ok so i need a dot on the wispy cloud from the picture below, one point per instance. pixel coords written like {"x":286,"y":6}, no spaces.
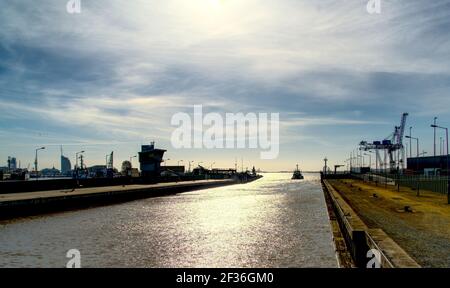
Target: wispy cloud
{"x":120,"y":70}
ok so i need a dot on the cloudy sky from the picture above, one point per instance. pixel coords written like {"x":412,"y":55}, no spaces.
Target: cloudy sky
{"x":111,"y":77}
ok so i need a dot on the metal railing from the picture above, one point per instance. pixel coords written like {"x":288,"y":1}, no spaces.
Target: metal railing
{"x":431,"y":183}
{"x":436,"y":184}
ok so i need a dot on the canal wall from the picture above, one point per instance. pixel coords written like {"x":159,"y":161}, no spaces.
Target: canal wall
{"x":33,"y":203}
{"x":360,"y":239}
{"x":33,"y":185}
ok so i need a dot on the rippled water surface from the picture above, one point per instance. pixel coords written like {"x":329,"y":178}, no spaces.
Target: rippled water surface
{"x":273,"y":222}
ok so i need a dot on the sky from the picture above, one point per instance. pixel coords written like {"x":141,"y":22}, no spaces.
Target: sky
{"x":111,"y":77}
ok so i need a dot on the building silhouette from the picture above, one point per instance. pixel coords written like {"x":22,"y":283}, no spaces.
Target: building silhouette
{"x":150,"y":160}
{"x":66,"y":166}
{"x":12,"y":163}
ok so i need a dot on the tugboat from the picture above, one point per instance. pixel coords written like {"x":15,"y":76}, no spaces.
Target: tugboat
{"x":297,"y":175}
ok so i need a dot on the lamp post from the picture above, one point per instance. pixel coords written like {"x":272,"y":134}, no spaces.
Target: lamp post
{"x":448,"y":184}
{"x":131,"y":159}
{"x":76,"y":158}
{"x":166,"y":161}
{"x":407,"y":149}
{"x":417,"y":159}
{"x":410,"y":142}
{"x":36,"y":162}
{"x":190,"y":162}
{"x":212,"y":165}
{"x":355,"y":159}
{"x":434,"y":128}
{"x":350,"y":160}
{"x":76,"y":164}
{"x":178,"y":163}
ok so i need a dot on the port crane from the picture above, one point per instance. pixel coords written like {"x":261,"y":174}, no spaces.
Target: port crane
{"x":393,"y":144}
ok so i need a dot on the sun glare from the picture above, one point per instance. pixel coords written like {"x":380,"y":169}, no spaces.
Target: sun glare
{"x":215,"y":4}
{"x":212,"y":17}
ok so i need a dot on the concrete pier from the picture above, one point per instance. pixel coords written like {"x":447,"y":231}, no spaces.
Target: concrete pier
{"x":32,"y":203}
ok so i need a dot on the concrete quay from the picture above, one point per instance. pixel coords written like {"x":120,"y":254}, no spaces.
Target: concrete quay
{"x":33,"y":203}
{"x":359,"y":238}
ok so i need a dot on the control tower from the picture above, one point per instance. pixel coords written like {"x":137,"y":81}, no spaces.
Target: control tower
{"x":150,"y":160}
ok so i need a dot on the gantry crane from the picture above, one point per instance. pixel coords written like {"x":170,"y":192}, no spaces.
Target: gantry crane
{"x":391,"y":144}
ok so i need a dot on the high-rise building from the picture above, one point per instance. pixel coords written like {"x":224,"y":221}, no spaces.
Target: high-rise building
{"x":12,"y":163}
{"x":66,"y":167}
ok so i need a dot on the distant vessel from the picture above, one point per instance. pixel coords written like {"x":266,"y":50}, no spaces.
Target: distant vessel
{"x":297,"y":174}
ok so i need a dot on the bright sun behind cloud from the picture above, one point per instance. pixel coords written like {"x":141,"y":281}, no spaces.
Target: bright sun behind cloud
{"x":216,"y":4}
{"x":214,"y":17}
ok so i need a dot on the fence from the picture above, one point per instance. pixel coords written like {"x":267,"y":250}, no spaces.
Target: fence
{"x":436,"y":184}
{"x":431,"y":183}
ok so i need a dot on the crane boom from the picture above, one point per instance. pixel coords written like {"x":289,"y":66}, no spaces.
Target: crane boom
{"x":401,"y":130}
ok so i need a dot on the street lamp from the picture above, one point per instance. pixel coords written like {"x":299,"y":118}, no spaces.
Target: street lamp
{"x":417,"y":141}
{"x":131,"y":159}
{"x":446,"y":133}
{"x":212,"y":165}
{"x":417,"y":158}
{"x":190,"y":162}
{"x":434,"y":127}
{"x":165,"y":162}
{"x":36,"y":162}
{"x":178,"y":164}
{"x":448,"y":184}
{"x":410,"y":142}
{"x":76,"y":164}
{"x":355,"y":163}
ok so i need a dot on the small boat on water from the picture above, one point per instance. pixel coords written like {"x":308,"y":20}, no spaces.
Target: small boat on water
{"x":297,"y":175}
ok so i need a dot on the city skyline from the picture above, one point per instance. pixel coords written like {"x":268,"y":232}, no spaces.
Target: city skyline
{"x":110,"y":78}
